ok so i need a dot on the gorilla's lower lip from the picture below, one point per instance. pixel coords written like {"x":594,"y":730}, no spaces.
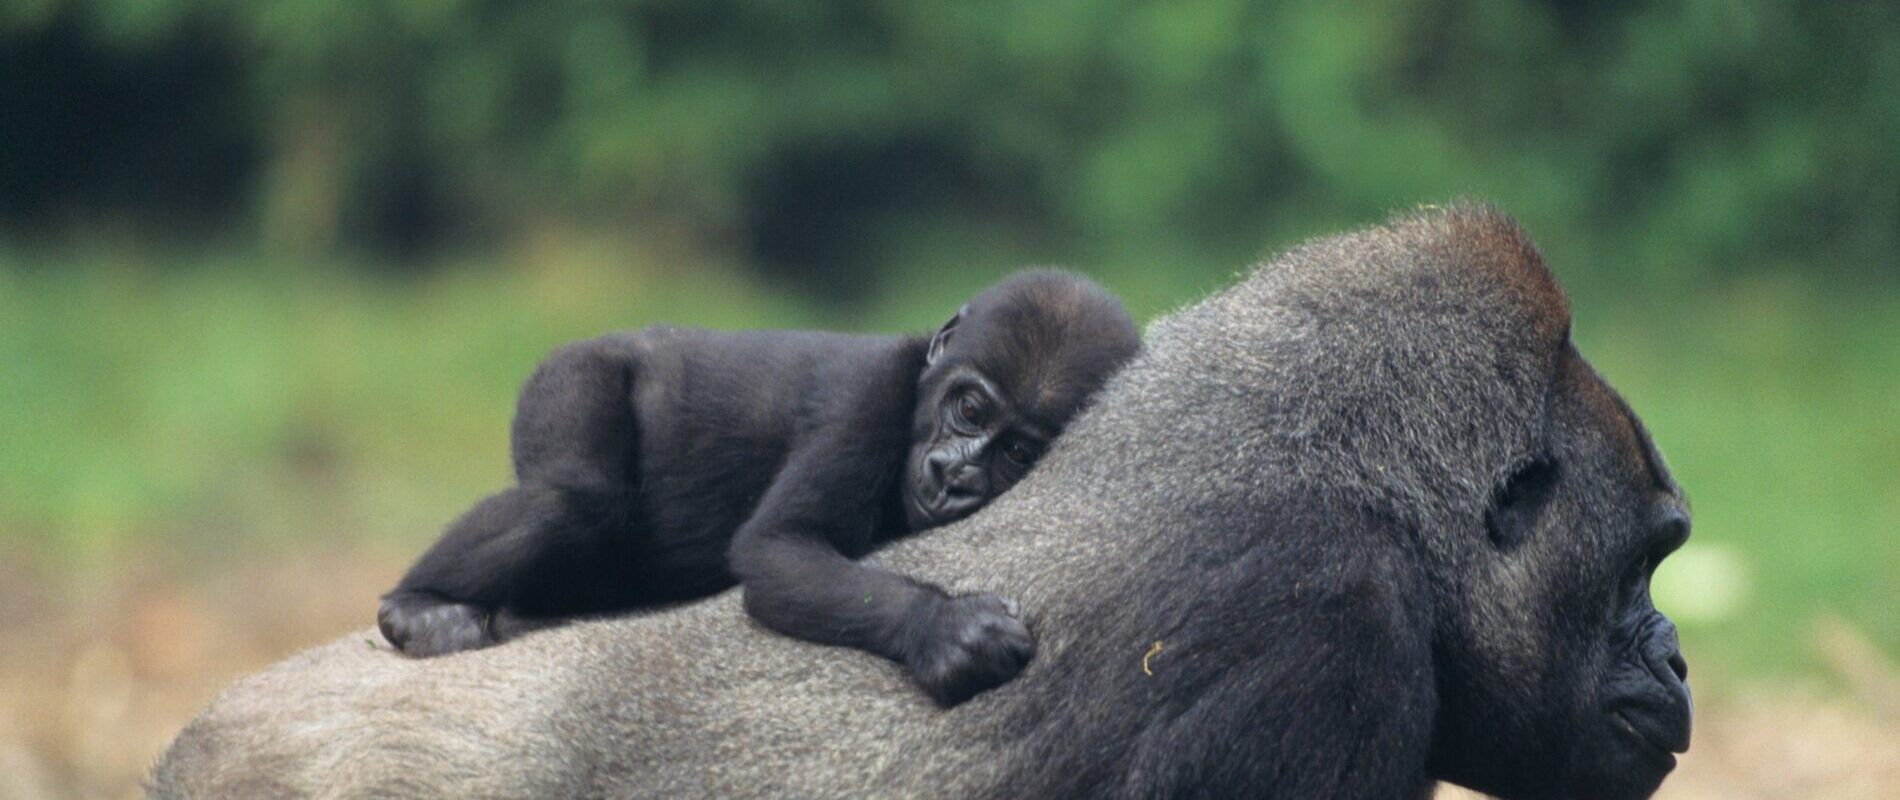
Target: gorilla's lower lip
{"x":939,"y":506}
{"x":1648,"y":740}
{"x":931,"y":509}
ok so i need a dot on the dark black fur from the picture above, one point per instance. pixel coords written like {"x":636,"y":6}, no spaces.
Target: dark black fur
{"x":664,"y":464}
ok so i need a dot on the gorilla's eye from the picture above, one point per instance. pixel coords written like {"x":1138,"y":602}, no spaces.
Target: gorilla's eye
{"x":1515,"y":505}
{"x":1019,"y":453}
{"x":970,"y":409}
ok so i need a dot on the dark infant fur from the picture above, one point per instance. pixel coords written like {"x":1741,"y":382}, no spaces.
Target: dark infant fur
{"x":663,"y":464}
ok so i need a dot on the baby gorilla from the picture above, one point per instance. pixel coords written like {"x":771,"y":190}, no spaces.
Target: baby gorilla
{"x":667,"y":463}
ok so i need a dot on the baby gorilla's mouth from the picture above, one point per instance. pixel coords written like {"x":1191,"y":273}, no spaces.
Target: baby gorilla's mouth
{"x":925,"y":500}
{"x":936,"y":503}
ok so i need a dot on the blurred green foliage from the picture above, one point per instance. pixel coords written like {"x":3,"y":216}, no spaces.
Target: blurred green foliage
{"x":837,"y":139}
{"x":271,"y":272}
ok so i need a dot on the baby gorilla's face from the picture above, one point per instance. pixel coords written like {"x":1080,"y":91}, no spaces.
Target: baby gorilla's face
{"x":1000,"y":381}
{"x":974,"y":442}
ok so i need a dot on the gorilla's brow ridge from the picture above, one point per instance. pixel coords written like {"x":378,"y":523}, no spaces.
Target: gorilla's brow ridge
{"x":1652,"y":460}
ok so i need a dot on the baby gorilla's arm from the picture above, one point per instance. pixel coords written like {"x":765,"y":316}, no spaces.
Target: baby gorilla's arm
{"x":797,"y":582}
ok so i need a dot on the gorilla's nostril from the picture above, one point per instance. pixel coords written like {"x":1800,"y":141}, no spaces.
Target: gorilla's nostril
{"x":1679,"y":665}
{"x":1675,"y":524}
{"x":965,"y":478}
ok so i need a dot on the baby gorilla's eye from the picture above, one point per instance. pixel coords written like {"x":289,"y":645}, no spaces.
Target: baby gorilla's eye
{"x":970,"y":409}
{"x":1020,"y":453}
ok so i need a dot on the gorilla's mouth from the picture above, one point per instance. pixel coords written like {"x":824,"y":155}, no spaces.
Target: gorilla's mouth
{"x":932,"y":503}
{"x":1646,"y":736}
{"x":923,"y":501}
{"x":924,"y":496}
{"x":935,"y":503}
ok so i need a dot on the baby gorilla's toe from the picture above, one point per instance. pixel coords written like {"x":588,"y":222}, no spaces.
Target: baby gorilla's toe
{"x":423,"y":626}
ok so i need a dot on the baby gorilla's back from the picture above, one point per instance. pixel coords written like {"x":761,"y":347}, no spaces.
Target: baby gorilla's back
{"x":638,"y":455}
{"x":719,"y":414}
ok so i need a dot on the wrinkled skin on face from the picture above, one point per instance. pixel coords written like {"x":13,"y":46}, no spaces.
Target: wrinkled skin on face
{"x":980,"y":444}
{"x":1003,"y":377}
{"x":1594,"y":700}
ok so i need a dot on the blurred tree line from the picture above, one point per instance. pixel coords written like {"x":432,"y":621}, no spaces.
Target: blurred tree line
{"x":826,"y":140}
{"x":202,"y":202}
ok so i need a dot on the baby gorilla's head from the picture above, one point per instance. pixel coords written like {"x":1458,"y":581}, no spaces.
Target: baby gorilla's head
{"x":1002,"y":378}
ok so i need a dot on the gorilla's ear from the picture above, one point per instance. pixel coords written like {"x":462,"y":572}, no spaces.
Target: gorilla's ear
{"x":1516,"y":506}
{"x":939,"y":341}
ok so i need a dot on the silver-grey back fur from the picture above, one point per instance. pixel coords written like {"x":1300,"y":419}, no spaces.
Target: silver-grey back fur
{"x":1395,"y":368}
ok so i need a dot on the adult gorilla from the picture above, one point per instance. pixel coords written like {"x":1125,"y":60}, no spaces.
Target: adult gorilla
{"x":1363,"y":521}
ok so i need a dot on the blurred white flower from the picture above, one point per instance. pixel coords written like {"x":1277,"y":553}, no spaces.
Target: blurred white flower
{"x":1702,"y":583}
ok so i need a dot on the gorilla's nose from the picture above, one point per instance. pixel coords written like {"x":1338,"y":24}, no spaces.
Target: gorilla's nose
{"x":953,"y":474}
{"x":938,"y":464}
{"x":944,"y":467}
{"x":962,"y":484}
{"x":967,"y":479}
{"x":1679,"y":665}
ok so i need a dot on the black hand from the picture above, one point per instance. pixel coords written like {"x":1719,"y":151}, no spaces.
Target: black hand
{"x":964,"y":645}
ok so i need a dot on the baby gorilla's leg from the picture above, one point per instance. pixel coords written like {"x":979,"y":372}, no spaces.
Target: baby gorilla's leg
{"x":422,"y":625}
{"x":554,"y":546}
{"x":534,"y":551}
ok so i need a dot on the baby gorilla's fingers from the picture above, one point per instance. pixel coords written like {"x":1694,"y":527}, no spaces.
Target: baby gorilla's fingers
{"x":424,"y":625}
{"x":972,"y":643}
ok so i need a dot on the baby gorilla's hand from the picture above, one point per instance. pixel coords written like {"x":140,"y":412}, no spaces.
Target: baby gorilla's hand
{"x":422,"y":625}
{"x":967,"y":645}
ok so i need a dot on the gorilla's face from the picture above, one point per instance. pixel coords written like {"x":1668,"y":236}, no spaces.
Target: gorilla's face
{"x":978,"y":426}
{"x":974,"y":442}
{"x":1558,"y":676}
{"x":1001,"y":380}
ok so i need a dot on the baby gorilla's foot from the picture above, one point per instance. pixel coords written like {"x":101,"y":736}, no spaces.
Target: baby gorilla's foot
{"x":967,"y":645}
{"x":423,"y":625}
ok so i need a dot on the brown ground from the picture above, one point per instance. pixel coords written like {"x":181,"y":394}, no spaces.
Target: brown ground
{"x":101,"y":671}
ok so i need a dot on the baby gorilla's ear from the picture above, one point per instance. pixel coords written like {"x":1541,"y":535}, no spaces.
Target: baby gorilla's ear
{"x":939,"y":341}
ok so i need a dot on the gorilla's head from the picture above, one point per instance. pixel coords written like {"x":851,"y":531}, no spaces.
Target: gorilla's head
{"x":1003,"y":378}
{"x":1434,"y":380}
{"x":1593,"y":697}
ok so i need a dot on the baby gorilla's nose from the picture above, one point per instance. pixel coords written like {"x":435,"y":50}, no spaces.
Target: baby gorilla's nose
{"x":955,"y":475}
{"x":966,"y":478}
{"x":963,"y":485}
{"x":937,"y":464}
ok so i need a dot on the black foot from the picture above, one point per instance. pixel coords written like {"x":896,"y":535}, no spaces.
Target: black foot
{"x":967,"y":645}
{"x":424,"y":625}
